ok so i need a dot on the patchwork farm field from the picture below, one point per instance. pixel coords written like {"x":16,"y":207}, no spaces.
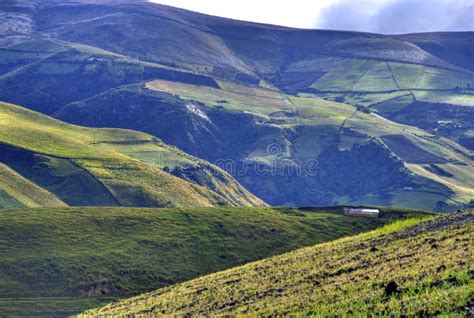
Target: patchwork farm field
{"x":409,"y":152}
{"x":320,"y":123}
{"x":375,"y":76}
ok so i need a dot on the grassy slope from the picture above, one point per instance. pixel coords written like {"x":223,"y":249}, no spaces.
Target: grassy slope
{"x":27,"y":70}
{"x":365,"y":75}
{"x":78,"y":256}
{"x":374,"y":84}
{"x":378,"y":87}
{"x":110,"y":155}
{"x":308,"y":111}
{"x":27,"y":193}
{"x":430,"y":261}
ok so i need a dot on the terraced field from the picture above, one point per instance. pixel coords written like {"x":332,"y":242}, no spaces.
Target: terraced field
{"x":413,"y":267}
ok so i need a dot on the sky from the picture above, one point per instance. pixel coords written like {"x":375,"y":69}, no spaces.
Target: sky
{"x":379,"y":16}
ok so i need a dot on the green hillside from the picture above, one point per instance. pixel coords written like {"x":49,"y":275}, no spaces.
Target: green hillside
{"x":194,"y":112}
{"x":398,"y":122}
{"x":436,"y":100}
{"x":84,"y":166}
{"x":63,"y":261}
{"x":17,"y":191}
{"x":160,"y":149}
{"x":415,"y":267}
{"x":352,"y":75}
{"x":313,"y":128}
{"x":45,"y":75}
{"x":299,"y":143}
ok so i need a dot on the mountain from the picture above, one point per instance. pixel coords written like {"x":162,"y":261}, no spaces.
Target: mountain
{"x":298,"y":117}
{"x":417,"y":267}
{"x":61,"y":261}
{"x":150,"y":141}
{"x":48,"y":163}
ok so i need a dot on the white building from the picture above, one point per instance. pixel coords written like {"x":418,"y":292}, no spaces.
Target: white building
{"x":367,"y":212}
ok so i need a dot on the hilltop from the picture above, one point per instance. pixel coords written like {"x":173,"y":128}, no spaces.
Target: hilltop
{"x":45,"y":162}
{"x":415,"y":267}
{"x":61,"y":261}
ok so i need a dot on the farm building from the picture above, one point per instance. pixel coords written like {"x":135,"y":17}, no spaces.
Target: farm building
{"x":374,"y":213}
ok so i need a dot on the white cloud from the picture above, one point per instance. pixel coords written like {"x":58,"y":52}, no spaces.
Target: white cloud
{"x":293,"y":13}
{"x":398,"y":16}
{"x":382,"y":16}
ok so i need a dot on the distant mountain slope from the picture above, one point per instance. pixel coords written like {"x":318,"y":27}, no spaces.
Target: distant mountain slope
{"x":291,"y":150}
{"x":58,"y":262}
{"x":163,"y":34}
{"x":84,"y":166}
{"x":454,"y":47}
{"x":229,"y":91}
{"x":410,"y":268}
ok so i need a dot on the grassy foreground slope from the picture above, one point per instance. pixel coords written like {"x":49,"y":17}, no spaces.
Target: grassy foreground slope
{"x":413,"y":267}
{"x":121,"y":167}
{"x":64,"y":261}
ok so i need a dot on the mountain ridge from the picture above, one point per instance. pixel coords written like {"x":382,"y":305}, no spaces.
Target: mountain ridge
{"x":338,"y":95}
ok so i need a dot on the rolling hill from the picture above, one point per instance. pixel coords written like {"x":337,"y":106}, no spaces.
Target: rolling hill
{"x":65,"y":164}
{"x":61,"y":261}
{"x":150,"y":141}
{"x":298,"y":144}
{"x":414,"y":267}
{"x":279,"y":109}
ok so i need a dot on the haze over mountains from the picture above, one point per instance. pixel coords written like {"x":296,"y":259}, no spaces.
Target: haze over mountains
{"x":297,"y":117}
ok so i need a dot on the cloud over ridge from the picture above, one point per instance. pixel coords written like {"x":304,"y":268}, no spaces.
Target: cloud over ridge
{"x":398,"y":16}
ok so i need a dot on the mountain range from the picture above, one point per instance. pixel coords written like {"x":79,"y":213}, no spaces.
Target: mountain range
{"x":205,"y":166}
{"x":297,"y":117}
